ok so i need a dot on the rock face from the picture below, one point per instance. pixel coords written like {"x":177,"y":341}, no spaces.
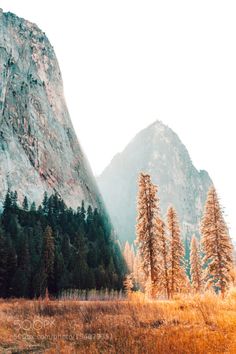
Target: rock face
{"x":156,"y":150}
{"x":39,"y":150}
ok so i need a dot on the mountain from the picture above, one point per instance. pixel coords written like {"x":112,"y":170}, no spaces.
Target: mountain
{"x":156,"y":150}
{"x":39,"y":150}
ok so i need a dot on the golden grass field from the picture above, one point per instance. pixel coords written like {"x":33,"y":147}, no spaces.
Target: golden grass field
{"x":194,"y":324}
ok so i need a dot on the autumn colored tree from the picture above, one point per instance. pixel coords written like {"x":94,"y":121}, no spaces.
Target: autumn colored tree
{"x":178,"y":279}
{"x":216,"y":245}
{"x":138,"y":274}
{"x":195,"y":266}
{"x":147,"y":242}
{"x":128,"y":284}
{"x":164,"y":257}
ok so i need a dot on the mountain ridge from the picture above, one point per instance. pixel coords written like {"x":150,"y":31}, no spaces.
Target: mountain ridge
{"x":157,"y":150}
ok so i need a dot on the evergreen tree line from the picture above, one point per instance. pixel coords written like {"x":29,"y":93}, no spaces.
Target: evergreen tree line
{"x":53,"y":248}
{"x":160,"y":268}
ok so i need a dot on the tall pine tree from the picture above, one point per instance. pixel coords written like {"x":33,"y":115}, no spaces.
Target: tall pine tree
{"x":195,"y":266}
{"x":164,"y":258}
{"x":178,"y":279}
{"x":216,"y":245}
{"x":147,"y":241}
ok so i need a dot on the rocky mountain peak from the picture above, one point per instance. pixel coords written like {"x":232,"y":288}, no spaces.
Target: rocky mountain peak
{"x":156,"y":150}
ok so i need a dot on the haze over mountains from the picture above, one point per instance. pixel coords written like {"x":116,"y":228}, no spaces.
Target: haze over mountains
{"x":156,"y":150}
{"x":39,"y":150}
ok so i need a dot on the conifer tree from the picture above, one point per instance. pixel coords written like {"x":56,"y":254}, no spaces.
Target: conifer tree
{"x":148,"y":209}
{"x":164,"y":258}
{"x":21,"y":280}
{"x":82,"y":254}
{"x":216,"y":245}
{"x":195,"y":266}
{"x":128,"y":284}
{"x":48,"y":258}
{"x":33,"y":207}
{"x":7,"y":208}
{"x":82,"y":212}
{"x":89,"y":215}
{"x":138,"y":274}
{"x":45,"y":203}
{"x":80,"y":266}
{"x":178,"y":278}
{"x":25,"y":204}
{"x":8,"y":201}
{"x":14,"y":200}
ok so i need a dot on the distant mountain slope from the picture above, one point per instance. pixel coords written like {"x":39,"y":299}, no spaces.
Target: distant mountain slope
{"x":39,"y":150}
{"x":156,"y":150}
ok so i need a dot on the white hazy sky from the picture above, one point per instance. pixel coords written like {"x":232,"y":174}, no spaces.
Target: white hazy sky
{"x":127,"y":63}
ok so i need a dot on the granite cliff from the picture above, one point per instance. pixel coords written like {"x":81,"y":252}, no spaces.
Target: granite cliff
{"x":39,"y":150}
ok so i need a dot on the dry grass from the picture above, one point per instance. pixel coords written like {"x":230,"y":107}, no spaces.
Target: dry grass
{"x":199,"y":324}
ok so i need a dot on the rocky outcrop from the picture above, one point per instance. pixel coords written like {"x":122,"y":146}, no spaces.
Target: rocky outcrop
{"x":39,"y":150}
{"x":158,"y":151}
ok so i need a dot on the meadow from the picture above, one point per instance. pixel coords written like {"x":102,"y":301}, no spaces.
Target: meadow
{"x":191,"y":324}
